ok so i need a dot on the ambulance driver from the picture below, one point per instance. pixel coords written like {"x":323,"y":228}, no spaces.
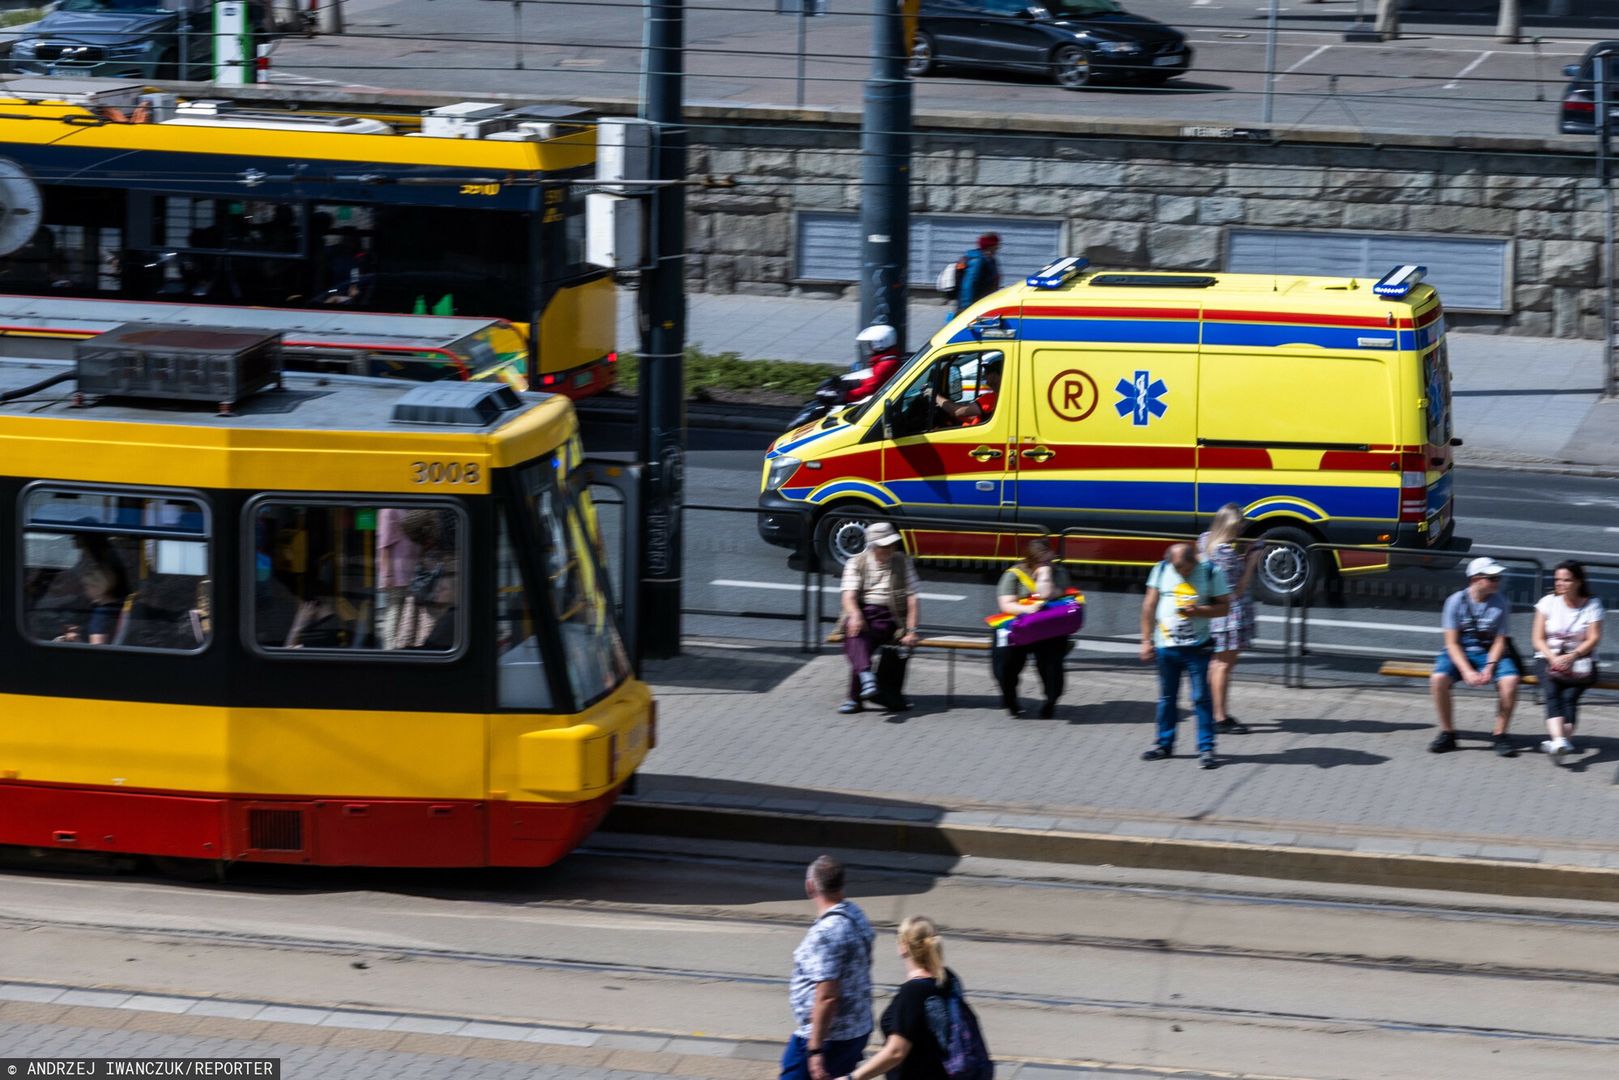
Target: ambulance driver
{"x":982,"y":406}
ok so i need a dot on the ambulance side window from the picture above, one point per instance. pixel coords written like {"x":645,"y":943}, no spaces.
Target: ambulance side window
{"x":957,"y":390}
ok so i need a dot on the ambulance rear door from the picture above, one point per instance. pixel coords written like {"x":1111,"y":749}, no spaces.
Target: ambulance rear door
{"x":1107,"y":430}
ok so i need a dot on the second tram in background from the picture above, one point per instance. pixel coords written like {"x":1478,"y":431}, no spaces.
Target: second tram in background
{"x":119,"y":193}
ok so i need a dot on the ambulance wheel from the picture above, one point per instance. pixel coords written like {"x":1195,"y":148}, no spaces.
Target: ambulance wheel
{"x":840,"y":535}
{"x":1071,"y":67}
{"x":1287,"y":568}
{"x":920,"y":62}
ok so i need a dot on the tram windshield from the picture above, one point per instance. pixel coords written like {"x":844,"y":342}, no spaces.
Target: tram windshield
{"x":573,"y":579}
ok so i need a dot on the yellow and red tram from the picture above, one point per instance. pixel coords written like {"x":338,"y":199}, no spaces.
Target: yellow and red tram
{"x":346,"y":622}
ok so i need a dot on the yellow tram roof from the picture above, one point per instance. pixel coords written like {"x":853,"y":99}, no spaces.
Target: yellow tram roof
{"x":319,"y":433}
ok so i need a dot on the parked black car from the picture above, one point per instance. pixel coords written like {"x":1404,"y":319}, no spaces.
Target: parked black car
{"x":1579,"y":109}
{"x":1076,"y":42}
{"x":139,"y":39}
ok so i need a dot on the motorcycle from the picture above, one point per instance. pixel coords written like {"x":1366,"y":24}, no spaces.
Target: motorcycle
{"x":836,"y":392}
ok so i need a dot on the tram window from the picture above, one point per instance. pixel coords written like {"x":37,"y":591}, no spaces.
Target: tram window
{"x":357,"y":578}
{"x":114,"y":568}
{"x":579,"y":599}
{"x":520,"y":669}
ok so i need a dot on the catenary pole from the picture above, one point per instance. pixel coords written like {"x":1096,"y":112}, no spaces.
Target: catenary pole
{"x":885,"y":154}
{"x":661,"y":433}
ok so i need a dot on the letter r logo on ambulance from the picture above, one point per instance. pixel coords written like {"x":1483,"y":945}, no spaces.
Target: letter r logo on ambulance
{"x":1072,"y":395}
{"x":1141,"y":399}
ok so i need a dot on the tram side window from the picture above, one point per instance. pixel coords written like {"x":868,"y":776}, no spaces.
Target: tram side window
{"x":116,"y":569}
{"x":357,"y":578}
{"x":579,"y":597}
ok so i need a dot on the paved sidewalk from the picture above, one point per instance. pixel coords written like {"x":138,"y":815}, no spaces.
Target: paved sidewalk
{"x":1335,"y":772}
{"x":1533,"y":401}
{"x":38,"y":1020}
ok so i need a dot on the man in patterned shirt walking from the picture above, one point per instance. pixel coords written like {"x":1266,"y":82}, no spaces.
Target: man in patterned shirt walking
{"x":831,"y":985}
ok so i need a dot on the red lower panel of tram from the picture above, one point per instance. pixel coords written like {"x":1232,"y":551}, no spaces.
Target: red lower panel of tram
{"x":310,"y":831}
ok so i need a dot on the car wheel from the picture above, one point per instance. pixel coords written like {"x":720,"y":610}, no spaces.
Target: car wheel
{"x":1071,"y":67}
{"x":921,"y":61}
{"x":1287,"y":568}
{"x":840,"y":535}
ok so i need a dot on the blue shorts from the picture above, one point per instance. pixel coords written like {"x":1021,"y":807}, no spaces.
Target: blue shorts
{"x":1504,"y":667}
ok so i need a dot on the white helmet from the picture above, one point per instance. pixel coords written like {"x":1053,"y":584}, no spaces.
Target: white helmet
{"x":876,"y":339}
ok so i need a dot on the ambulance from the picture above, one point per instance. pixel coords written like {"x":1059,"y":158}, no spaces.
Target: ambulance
{"x":1093,"y":405}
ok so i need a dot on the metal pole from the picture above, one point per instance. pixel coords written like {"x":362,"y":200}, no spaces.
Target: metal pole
{"x":662,"y":422}
{"x":1270,"y":62}
{"x":885,"y":150}
{"x":517,"y":32}
{"x":803,"y":44}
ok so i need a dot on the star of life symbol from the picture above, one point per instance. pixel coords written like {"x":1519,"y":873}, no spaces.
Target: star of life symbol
{"x":1141,"y":399}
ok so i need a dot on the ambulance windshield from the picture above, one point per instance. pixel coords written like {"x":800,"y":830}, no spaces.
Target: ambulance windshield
{"x":1436,"y":388}
{"x":898,"y":378}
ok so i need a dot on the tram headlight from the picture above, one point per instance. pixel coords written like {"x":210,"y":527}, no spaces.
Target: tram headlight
{"x":780,"y":469}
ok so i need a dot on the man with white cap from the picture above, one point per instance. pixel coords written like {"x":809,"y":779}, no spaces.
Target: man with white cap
{"x":1475,"y":622}
{"x":879,"y":608}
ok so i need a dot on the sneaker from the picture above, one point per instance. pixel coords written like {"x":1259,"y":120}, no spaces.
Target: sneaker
{"x":1445,"y":740}
{"x":1048,"y":710}
{"x":1502,"y":745}
{"x":868,"y":685}
{"x":1014,"y":711}
{"x":1208,"y":761}
{"x":1157,"y":753}
{"x":1231,"y":726}
{"x":1556,"y":749}
{"x":850,"y":706}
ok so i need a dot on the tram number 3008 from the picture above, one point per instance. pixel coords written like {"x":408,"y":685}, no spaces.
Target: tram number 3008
{"x":446,"y":472}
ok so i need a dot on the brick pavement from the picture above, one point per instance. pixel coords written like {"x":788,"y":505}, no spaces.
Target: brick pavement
{"x":38,"y":1020}
{"x":1341,"y":769}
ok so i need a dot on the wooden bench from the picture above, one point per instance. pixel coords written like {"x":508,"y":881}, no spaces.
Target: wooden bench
{"x":950,"y":643}
{"x":1410,"y":669}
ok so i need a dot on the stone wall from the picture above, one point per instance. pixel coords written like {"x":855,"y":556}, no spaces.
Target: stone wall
{"x":1157,"y":196}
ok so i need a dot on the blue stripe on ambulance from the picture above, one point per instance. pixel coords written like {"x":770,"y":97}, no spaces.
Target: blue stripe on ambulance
{"x":841,"y":487}
{"x":1439,"y":493}
{"x":1151,"y":332}
{"x":1374,"y":503}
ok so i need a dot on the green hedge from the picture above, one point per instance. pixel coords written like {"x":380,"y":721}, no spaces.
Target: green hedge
{"x":720,"y":375}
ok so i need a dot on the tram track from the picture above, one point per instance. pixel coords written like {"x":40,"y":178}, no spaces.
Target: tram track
{"x":687,"y":975}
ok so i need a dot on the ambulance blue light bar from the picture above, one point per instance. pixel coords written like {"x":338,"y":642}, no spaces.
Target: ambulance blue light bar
{"x":1400,"y":281}
{"x":1056,"y":275}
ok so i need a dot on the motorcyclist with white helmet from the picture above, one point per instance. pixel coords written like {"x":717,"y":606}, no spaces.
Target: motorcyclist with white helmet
{"x":878,"y":346}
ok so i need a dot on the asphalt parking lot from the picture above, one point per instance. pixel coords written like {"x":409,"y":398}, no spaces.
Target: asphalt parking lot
{"x":1446,"y":72}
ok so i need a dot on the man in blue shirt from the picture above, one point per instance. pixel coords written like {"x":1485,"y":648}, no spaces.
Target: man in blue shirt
{"x":1475,"y":622}
{"x":831,"y":984}
{"x":1183,"y":594}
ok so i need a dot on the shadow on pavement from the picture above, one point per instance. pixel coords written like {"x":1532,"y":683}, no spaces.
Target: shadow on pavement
{"x":1319,"y":757}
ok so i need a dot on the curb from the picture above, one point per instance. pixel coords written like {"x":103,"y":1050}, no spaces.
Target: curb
{"x":1490,"y":876}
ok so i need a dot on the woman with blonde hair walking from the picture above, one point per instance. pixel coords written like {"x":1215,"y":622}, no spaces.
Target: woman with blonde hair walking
{"x":1234,"y":631}
{"x":929,"y":1019}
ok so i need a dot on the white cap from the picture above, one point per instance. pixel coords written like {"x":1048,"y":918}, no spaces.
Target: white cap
{"x":881,"y":532}
{"x":1484,"y":566}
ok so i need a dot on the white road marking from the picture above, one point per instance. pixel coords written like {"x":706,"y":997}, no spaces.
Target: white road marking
{"x":1462,"y":74}
{"x":1350,"y":624}
{"x":782,"y":587}
{"x":1301,"y":63}
{"x":1611,"y":529}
